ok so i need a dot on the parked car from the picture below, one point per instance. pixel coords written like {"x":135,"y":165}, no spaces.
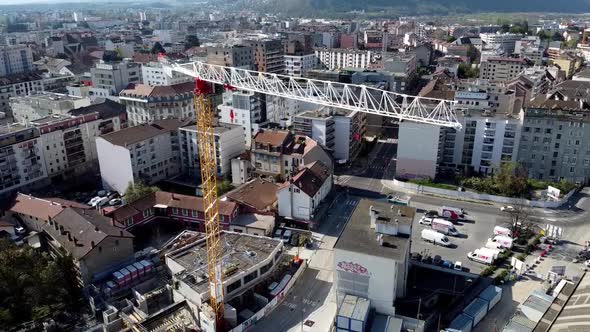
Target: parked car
{"x":115,"y":201}
{"x":113,"y":194}
{"x":416,"y":256}
{"x":447,"y":264}
{"x":94,"y":200}
{"x":295,"y":240}
{"x":431,"y":213}
{"x":20,"y":230}
{"x":437,"y":260}
{"x":458,"y":266}
{"x":102,"y":202}
{"x":278,"y":234}
{"x":507,"y":208}
{"x":425,"y":221}
{"x":286,"y":236}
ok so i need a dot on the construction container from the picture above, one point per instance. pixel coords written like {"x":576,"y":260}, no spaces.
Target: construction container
{"x":477,"y":310}
{"x":140,"y":269}
{"x":147,"y":266}
{"x":492,"y":295}
{"x":352,"y":314}
{"x":133,"y":270}
{"x":119,"y":278}
{"x":126,"y":274}
{"x":461,"y":323}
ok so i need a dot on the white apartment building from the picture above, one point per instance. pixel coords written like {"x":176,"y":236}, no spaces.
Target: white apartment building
{"x":229,"y":143}
{"x":297,"y":65}
{"x":336,"y":58}
{"x":154,"y":73}
{"x":504,"y":41}
{"x":147,"y":153}
{"x":43,"y":104}
{"x":501,"y":68}
{"x":108,"y":79}
{"x":25,"y":84}
{"x":15,"y":59}
{"x":339,"y":131}
{"x":242,"y":108}
{"x":146,"y":103}
{"x":300,"y":196}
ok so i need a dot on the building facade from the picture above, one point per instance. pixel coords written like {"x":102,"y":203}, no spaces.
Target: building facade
{"x":245,"y":109}
{"x":146,"y":103}
{"x":501,"y":69}
{"x":504,"y":41}
{"x":15,"y":59}
{"x":338,"y":58}
{"x":297,"y":65}
{"x":154,"y":73}
{"x":35,"y":106}
{"x":237,"y":56}
{"x":108,"y":79}
{"x":268,"y":55}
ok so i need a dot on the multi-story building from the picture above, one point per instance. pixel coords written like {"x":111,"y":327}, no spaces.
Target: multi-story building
{"x":245,"y":109}
{"x":69,"y":228}
{"x":297,"y":65}
{"x":539,"y":80}
{"x":501,"y":68}
{"x":338,"y":130}
{"x":349,"y":41}
{"x":25,"y":84}
{"x":374,"y":39}
{"x":154,"y":73}
{"x":229,"y":143}
{"x":338,"y":58}
{"x":39,"y":105}
{"x":108,"y":79}
{"x":15,"y":59}
{"x":21,"y":158}
{"x":568,"y":63}
{"x":485,"y":95}
{"x":504,"y":41}
{"x":268,"y":54}
{"x":555,"y":139}
{"x":371,"y":256}
{"x":145,"y":153}
{"x":146,"y":103}
{"x":238,"y":56}
{"x":281,"y":155}
{"x":403,"y":63}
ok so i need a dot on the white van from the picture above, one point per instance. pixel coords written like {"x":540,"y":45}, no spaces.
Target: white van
{"x":435,"y":237}
{"x":286,"y":236}
{"x":444,"y":226}
{"x":499,"y":230}
{"x":503,"y":241}
{"x":482,"y":255}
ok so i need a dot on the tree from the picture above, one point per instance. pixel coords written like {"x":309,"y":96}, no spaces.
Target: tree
{"x":451,"y":39}
{"x":520,"y":214}
{"x":137,"y":191}
{"x":512,"y":180}
{"x":158,"y":48}
{"x":557,"y":36}
{"x":191,"y":41}
{"x":224,"y":186}
{"x":467,"y":71}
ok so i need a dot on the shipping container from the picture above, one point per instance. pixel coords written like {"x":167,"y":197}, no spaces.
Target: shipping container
{"x":119,"y":278}
{"x":353,"y":313}
{"x":133,"y":271}
{"x":147,"y":266}
{"x":477,"y":310}
{"x":126,"y":274}
{"x":140,"y":269}
{"x":492,"y":294}
{"x":462,"y":323}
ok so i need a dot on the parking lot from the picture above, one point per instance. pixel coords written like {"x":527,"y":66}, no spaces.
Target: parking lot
{"x":474,"y":233}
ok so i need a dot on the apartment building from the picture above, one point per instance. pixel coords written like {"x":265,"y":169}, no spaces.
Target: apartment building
{"x":154,"y":73}
{"x":403,"y":63}
{"x":39,"y":105}
{"x":280,"y":154}
{"x":238,"y":56}
{"x":338,"y":58}
{"x":268,"y":54}
{"x":229,"y":143}
{"x":298,"y":65}
{"x":145,"y":153}
{"x":339,"y":131}
{"x":15,"y":59}
{"x":485,"y":95}
{"x":504,"y":41}
{"x":501,"y":68}
{"x":300,"y":196}
{"x":25,"y":84}
{"x":568,"y":63}
{"x":146,"y":103}
{"x":245,"y":109}
{"x":108,"y":79}
{"x":69,"y":228}
{"x":555,"y":137}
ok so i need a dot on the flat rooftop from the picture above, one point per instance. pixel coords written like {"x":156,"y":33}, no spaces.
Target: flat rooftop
{"x":217,"y":129}
{"x":325,"y":112}
{"x":358,"y":236}
{"x":240,"y":253}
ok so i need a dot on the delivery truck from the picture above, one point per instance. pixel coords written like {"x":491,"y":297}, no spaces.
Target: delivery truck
{"x":452,"y":213}
{"x":499,"y":230}
{"x":502,"y":241}
{"x":483,"y":255}
{"x":435,"y":237}
{"x":444,"y":226}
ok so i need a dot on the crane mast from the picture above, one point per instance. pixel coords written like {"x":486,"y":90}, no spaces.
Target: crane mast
{"x":208,"y":165}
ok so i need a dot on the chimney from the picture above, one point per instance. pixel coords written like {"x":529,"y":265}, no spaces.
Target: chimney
{"x":69,"y":236}
{"x":92,"y":244}
{"x":55,"y":225}
{"x":373,"y":214}
{"x":61,"y":230}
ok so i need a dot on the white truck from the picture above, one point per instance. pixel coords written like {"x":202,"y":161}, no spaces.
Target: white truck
{"x":444,"y":226}
{"x":501,"y":241}
{"x":499,"y":230}
{"x":435,"y":237}
{"x":483,"y":255}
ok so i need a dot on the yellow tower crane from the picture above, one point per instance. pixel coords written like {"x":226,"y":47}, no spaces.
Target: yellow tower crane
{"x":208,"y":164}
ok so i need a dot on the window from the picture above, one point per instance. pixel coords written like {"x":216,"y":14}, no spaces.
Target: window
{"x":234,"y":286}
{"x":194,"y":213}
{"x":147,"y":213}
{"x":184,"y":212}
{"x":128,"y":222}
{"x":248,"y":278}
{"x":174,"y":211}
{"x":296,"y":190}
{"x":265,"y":268}
{"x":221,"y":217}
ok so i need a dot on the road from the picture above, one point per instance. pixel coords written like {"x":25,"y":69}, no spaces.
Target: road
{"x":312,"y":300}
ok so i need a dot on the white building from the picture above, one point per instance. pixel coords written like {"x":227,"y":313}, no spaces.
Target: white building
{"x":124,"y":49}
{"x":299,"y":197}
{"x":229,"y":144}
{"x":297,"y":65}
{"x":147,"y":153}
{"x":337,"y":58}
{"x":15,"y":59}
{"x":504,"y":41}
{"x":372,"y":253}
{"x":338,"y":130}
{"x":108,"y":79}
{"x":43,"y":104}
{"x":417,"y":150}
{"x":150,"y":103}
{"x":154,"y":73}
{"x":501,"y":68}
{"x":244,"y":109}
